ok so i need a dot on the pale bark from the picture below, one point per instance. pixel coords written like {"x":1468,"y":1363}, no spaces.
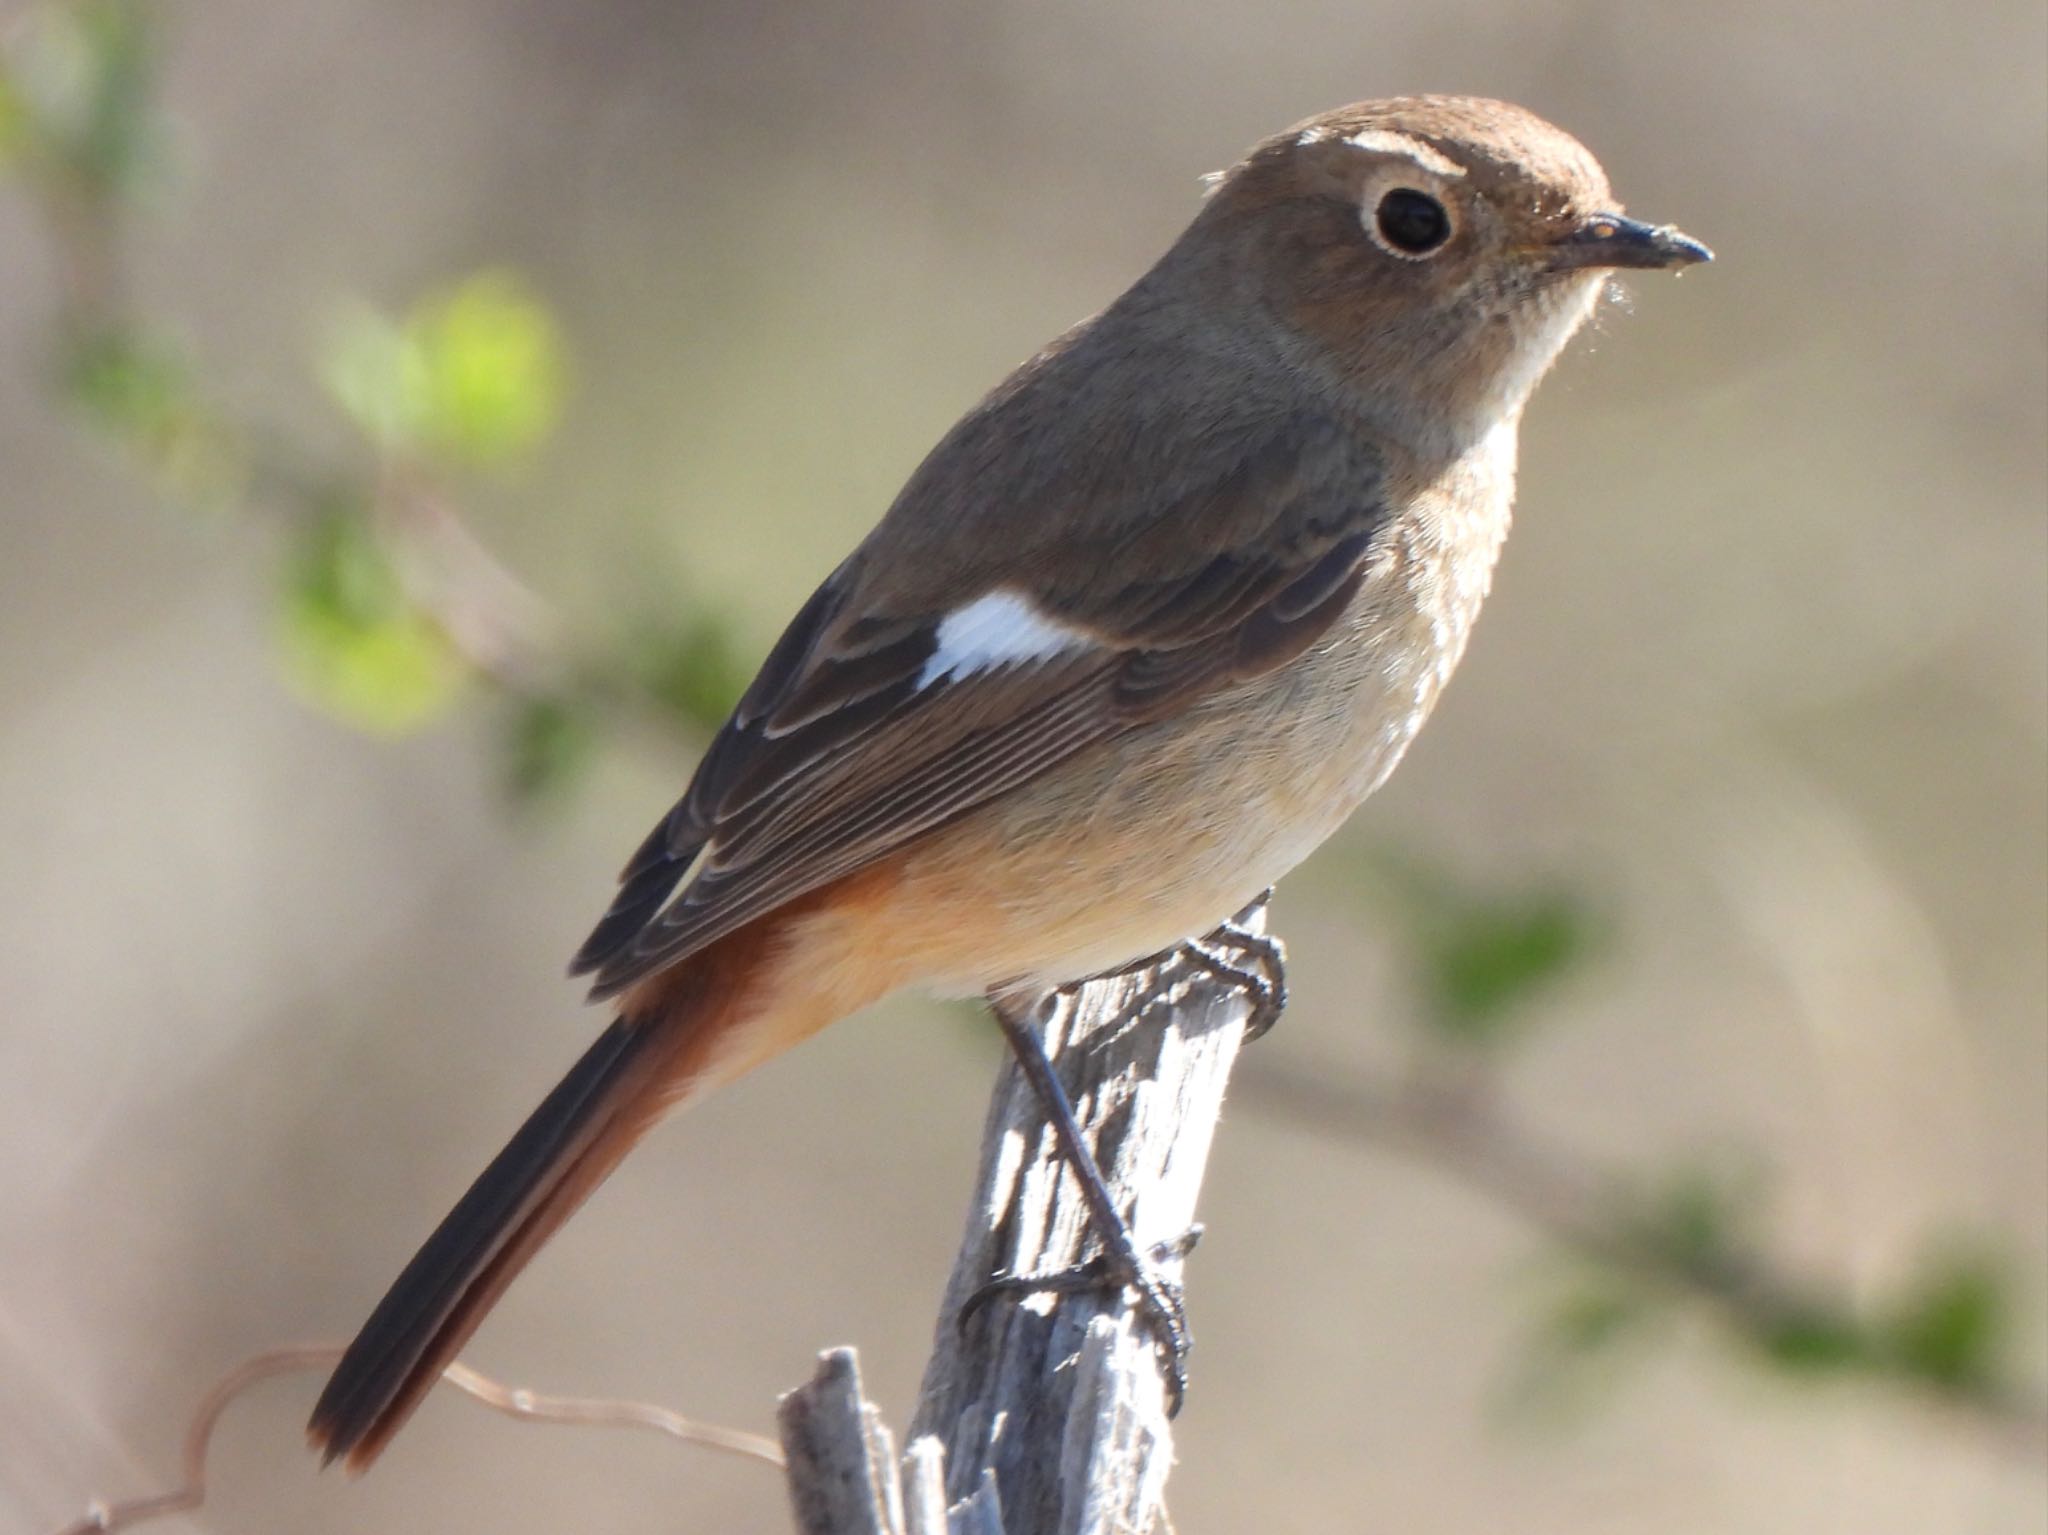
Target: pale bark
{"x":1045,"y":1414}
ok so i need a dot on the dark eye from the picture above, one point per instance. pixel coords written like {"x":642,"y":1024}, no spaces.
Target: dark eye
{"x":1412,"y":223}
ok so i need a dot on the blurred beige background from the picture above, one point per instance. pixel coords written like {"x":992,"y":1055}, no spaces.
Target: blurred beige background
{"x":1766,"y":668}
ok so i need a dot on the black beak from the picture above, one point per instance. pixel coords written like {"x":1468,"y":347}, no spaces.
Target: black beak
{"x":1608,"y":239}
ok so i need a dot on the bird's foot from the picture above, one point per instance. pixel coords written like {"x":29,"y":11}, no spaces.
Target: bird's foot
{"x":1161,"y":1299}
{"x":1253,"y":964}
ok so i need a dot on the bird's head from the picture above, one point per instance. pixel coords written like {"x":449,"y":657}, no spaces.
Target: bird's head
{"x":1434,"y":253}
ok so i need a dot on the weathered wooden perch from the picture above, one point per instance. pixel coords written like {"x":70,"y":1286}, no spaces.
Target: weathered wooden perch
{"x":1044,"y":1414}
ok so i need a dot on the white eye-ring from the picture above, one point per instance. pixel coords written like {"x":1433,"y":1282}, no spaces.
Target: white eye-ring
{"x":1408,"y":222}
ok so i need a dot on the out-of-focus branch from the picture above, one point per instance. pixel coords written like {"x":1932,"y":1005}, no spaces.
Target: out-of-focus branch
{"x":1453,"y":1125}
{"x":387,"y":563}
{"x":498,"y":623}
{"x":513,"y":1401}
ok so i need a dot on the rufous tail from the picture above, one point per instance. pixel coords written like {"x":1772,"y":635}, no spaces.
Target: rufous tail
{"x":566,"y":1148}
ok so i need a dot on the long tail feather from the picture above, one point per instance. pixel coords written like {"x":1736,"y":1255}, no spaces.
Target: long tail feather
{"x":563,"y":1151}
{"x":682,"y":1031}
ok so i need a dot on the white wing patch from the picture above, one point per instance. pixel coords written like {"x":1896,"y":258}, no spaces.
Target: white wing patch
{"x":997,"y":629}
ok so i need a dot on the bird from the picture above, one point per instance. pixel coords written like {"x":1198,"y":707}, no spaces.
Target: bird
{"x":1139,"y":634}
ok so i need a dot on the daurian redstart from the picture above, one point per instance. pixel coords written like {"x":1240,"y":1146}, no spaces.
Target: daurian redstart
{"x":1139,"y":634}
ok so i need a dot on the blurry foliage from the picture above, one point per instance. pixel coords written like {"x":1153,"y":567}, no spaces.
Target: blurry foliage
{"x":128,"y":385}
{"x":139,"y":392}
{"x":373,"y":371}
{"x":692,"y":668}
{"x":549,"y":742}
{"x":1952,"y":1325}
{"x":493,"y":370}
{"x":1694,"y":1220}
{"x":1578,"y":1349}
{"x":76,"y":101}
{"x":1943,"y":1331}
{"x":1484,"y":964}
{"x":471,"y":380}
{"x":1482,"y":958}
{"x":353,"y":643}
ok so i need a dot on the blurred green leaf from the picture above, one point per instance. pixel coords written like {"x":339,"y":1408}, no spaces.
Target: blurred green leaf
{"x":1482,"y":957}
{"x":1694,"y":1221}
{"x":473,"y":377}
{"x":376,"y":373}
{"x":139,"y":390}
{"x":352,"y":643}
{"x":549,"y":744}
{"x":492,"y":369}
{"x":1950,"y":1328}
{"x":133,"y":385}
{"x":1697,"y":1219}
{"x":694,"y":669}
{"x":1594,"y":1318}
{"x":1579,"y":1347}
{"x":1813,"y":1338}
{"x":1486,"y":961}
{"x":80,"y":95}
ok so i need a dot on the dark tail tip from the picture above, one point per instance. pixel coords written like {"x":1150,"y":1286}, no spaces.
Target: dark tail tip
{"x":434,"y":1306}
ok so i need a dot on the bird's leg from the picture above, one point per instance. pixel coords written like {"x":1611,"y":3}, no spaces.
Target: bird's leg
{"x":1253,"y":964}
{"x":1120,"y":1262}
{"x":1250,"y":963}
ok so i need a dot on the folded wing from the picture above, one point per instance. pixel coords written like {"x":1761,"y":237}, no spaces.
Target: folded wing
{"x":885,"y":711}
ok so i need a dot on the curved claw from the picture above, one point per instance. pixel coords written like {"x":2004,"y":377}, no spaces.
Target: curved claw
{"x":1163,"y":1300}
{"x":1253,"y":964}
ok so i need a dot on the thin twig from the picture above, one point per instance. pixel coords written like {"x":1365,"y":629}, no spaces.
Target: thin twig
{"x":498,"y":624}
{"x":513,"y":1401}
